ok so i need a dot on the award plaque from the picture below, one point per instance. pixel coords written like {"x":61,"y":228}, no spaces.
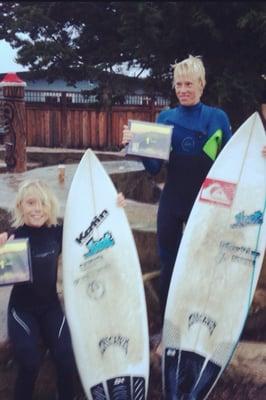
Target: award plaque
{"x":15,"y":262}
{"x":150,"y":139}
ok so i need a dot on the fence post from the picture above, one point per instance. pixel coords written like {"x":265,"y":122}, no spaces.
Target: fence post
{"x":15,"y":119}
{"x":152,"y":108}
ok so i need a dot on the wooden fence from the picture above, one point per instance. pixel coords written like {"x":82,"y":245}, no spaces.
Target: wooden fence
{"x":60,"y":119}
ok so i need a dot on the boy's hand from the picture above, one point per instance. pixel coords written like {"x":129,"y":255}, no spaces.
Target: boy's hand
{"x":4,"y":238}
{"x":121,"y":201}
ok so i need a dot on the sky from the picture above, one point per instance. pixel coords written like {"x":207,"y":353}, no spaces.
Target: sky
{"x":8,"y":64}
{"x":7,"y":59}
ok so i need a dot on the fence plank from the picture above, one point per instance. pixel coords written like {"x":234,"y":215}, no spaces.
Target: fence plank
{"x":80,"y":125}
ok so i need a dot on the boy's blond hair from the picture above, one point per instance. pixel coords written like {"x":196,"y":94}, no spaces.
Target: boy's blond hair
{"x":40,"y":189}
{"x":190,"y":66}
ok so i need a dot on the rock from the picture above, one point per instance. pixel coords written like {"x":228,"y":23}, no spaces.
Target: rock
{"x":249,"y":362}
{"x":4,"y":298}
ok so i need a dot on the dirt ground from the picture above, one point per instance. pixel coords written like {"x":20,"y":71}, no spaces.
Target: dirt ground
{"x":227,"y":388}
{"x":231,"y":386}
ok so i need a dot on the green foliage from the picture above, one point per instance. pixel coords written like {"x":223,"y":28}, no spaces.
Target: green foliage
{"x":81,"y":40}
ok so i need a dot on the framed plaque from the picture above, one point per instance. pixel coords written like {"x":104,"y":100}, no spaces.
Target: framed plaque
{"x":15,"y":262}
{"x":150,"y":139}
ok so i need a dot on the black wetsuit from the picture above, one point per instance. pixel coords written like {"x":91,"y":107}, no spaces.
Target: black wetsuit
{"x":34,"y":311}
{"x":199,"y":133}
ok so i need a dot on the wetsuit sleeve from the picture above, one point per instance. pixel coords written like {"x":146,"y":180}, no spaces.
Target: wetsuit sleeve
{"x":152,"y":165}
{"x":11,"y":231}
{"x":219,"y":133}
{"x":226,"y":128}
{"x":59,"y":236}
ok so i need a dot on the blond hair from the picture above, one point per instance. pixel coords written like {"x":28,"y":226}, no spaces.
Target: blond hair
{"x":42,"y":191}
{"x":190,"y":66}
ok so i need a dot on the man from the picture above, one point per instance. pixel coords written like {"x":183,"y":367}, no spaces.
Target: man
{"x":199,"y":134}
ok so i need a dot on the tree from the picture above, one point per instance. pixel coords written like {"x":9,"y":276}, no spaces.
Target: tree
{"x":83,"y":39}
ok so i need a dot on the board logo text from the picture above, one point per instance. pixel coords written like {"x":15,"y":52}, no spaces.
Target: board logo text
{"x":117,"y":340}
{"x":242,"y":220}
{"x":239,"y":254}
{"x":204,"y":319}
{"x":94,"y":224}
{"x":96,"y":246}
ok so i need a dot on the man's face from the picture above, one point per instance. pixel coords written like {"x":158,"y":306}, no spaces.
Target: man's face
{"x":188,"y":90}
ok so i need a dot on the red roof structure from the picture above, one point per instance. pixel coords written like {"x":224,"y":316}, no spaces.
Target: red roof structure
{"x":12,"y":79}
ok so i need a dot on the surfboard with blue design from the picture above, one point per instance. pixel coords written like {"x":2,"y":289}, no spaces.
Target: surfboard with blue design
{"x":217,"y":268}
{"x":103,"y":289}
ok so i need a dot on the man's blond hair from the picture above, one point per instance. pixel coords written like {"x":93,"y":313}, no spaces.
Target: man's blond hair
{"x":191,"y":66}
{"x":47,"y":198}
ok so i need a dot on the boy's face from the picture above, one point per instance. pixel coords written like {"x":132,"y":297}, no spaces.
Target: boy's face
{"x":33,"y":211}
{"x":188,"y":90}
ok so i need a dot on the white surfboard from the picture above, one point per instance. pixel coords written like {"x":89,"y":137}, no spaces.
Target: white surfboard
{"x":103,"y":289}
{"x":217,"y":267}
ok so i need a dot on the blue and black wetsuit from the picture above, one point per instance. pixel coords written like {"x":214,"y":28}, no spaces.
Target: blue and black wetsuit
{"x":199,"y":134}
{"x":34,"y":311}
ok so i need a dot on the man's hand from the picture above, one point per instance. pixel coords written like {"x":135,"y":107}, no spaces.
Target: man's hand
{"x":127,"y":135}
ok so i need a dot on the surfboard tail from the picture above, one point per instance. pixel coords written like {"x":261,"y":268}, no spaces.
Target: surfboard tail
{"x":188,"y":375}
{"x":120,"y":387}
